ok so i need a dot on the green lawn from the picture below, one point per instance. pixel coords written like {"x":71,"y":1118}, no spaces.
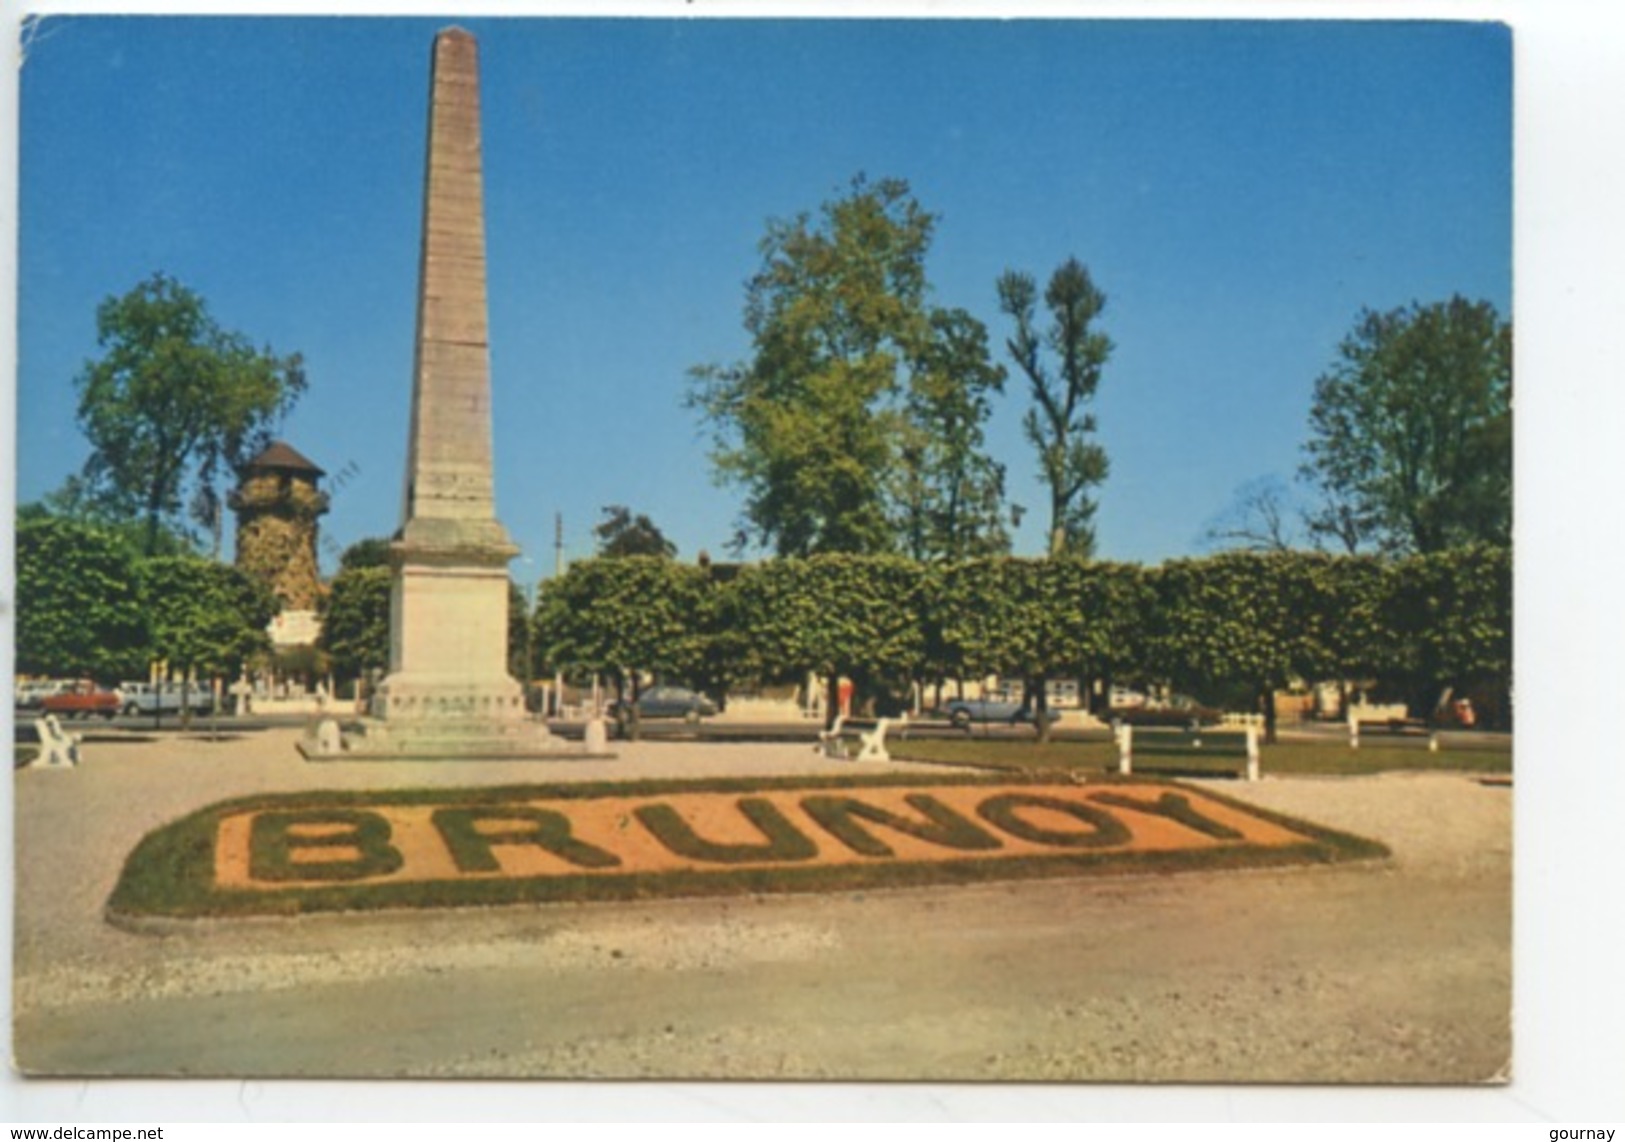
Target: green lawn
{"x":1219,"y":754}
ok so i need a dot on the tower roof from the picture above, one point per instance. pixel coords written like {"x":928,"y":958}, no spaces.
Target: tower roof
{"x":279,"y":457}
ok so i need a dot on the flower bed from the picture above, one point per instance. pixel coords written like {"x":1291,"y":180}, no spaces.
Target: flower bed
{"x":320,"y":851}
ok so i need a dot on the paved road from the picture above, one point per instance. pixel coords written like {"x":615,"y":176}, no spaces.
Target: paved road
{"x":1398,"y":971}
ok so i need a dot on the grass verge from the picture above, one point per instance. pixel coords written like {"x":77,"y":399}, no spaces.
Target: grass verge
{"x":1217,"y":757}
{"x":170,"y":873}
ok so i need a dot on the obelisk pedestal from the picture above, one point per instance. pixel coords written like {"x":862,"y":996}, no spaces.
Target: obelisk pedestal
{"x":448,"y":693}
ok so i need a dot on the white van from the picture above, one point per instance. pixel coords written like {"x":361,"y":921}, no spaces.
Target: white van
{"x":165,"y":697}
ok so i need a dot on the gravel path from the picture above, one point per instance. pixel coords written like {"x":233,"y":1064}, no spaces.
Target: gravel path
{"x":1398,"y":971}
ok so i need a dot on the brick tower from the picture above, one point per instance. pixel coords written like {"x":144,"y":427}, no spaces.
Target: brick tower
{"x":277,"y":504}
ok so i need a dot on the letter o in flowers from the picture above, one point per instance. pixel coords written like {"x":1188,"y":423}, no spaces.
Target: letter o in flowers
{"x":1005,"y":812}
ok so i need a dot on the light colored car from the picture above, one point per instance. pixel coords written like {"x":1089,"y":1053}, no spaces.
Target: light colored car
{"x":964,"y":711}
{"x":164,"y":698}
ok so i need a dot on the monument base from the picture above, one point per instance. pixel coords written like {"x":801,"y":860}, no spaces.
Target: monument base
{"x":377,"y":739}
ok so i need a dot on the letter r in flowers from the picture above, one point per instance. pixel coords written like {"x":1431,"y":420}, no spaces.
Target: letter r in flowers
{"x":471,"y":845}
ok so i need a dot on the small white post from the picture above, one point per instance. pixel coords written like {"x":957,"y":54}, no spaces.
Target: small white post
{"x":1125,"y":749}
{"x":329,"y":741}
{"x":595,"y":736}
{"x":1433,"y":741}
{"x":1252,"y":753}
{"x":1354,"y":729}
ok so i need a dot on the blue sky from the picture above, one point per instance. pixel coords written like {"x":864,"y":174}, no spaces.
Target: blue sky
{"x":1239,"y":190}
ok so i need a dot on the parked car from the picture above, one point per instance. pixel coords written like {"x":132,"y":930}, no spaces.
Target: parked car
{"x":165,"y":698}
{"x":962,"y":712}
{"x":82,"y":699}
{"x":29,"y":695}
{"x":670,"y":702}
{"x":1182,"y":716}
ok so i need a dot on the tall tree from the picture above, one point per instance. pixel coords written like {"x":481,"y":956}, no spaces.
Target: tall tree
{"x":812,"y":426}
{"x":75,"y":501}
{"x":622,"y":534}
{"x":1063,"y":364}
{"x":1261,"y":517}
{"x":949,"y":492}
{"x":1411,"y":430}
{"x":174,"y":404}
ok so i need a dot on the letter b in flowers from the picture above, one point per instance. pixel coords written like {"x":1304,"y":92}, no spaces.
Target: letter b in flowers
{"x":321,"y":844}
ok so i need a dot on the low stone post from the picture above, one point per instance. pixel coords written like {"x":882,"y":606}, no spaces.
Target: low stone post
{"x":1354,"y":729}
{"x":596,"y":736}
{"x":324,"y":738}
{"x":1125,"y":749}
{"x":1252,"y":752}
{"x":1433,"y":741}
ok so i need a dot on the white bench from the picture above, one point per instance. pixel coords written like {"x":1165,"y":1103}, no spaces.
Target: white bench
{"x":58,"y":749}
{"x":829,"y":741}
{"x":1124,"y":738}
{"x":873,"y":746}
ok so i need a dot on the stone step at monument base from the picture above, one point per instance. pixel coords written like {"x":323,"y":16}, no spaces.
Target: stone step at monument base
{"x":418,"y":699}
{"x":373,"y":739}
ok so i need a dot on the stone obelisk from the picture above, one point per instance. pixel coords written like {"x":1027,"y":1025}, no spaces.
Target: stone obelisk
{"x":448,"y":693}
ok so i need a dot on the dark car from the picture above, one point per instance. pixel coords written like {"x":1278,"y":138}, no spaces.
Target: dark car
{"x":964,"y":711}
{"x":1182,"y":716}
{"x":671,"y":702}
